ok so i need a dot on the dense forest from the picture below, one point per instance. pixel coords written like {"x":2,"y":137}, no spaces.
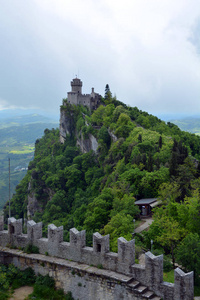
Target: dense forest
{"x":138,"y":156}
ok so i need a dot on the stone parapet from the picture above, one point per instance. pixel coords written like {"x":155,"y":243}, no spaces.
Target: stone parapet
{"x":123,"y":262}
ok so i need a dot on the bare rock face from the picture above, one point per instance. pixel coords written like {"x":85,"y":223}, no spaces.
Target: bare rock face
{"x":67,"y":123}
{"x":113,"y":137}
{"x":67,"y":127}
{"x":33,"y":204}
{"x":87,"y":144}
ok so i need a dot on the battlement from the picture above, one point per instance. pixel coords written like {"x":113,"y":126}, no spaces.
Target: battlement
{"x":150,"y":274}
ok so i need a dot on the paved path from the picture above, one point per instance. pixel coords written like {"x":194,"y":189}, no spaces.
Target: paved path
{"x":144,"y":226}
{"x":21,"y":293}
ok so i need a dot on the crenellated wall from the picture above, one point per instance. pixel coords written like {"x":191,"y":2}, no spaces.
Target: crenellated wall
{"x":149,"y":275}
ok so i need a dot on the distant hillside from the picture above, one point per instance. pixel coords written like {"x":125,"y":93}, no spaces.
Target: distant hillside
{"x":24,"y":119}
{"x":190,"y":124}
{"x":17,"y":142}
{"x":11,"y":113}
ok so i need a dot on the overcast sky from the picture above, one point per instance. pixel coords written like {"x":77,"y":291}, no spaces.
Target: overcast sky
{"x":148,"y":51}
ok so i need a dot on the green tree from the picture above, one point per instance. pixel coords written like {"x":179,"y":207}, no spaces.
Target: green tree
{"x":168,"y":192}
{"x":104,"y":136}
{"x":119,"y":225}
{"x":97,"y":116}
{"x":187,"y":254}
{"x":170,"y":235}
{"x":124,"y":126}
{"x":150,"y":162}
{"x":140,"y":138}
{"x":160,"y":142}
{"x":99,"y":210}
{"x":108,"y":94}
{"x":189,"y":212}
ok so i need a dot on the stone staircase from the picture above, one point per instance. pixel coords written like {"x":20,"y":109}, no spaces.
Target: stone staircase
{"x":141,"y":290}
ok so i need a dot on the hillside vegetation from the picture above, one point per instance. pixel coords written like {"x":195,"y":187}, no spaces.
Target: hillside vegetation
{"x":96,"y":191}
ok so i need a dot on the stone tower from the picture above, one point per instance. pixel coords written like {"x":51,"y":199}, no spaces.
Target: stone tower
{"x":76,"y":85}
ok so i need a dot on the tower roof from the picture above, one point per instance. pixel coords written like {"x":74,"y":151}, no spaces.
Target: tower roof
{"x":76,"y":82}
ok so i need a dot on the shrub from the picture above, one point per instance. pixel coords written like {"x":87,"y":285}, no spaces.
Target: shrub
{"x":45,"y":281}
{"x":31,"y":249}
{"x":99,"y":266}
{"x":26,"y":277}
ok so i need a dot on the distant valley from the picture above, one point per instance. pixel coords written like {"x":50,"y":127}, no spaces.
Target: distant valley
{"x":18,"y":134}
{"x":190,"y":124}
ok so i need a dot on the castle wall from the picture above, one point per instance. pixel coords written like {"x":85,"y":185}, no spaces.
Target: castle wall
{"x":150,"y":275}
{"x":84,"y":99}
{"x":85,"y":282}
{"x":72,"y":98}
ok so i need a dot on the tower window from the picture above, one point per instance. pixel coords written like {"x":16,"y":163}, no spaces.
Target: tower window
{"x":98,"y":247}
{"x":12,"y":229}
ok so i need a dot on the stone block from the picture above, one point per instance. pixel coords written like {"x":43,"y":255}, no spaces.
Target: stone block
{"x":183,"y":285}
{"x":126,"y":255}
{"x":34,"y":231}
{"x":154,"y":271}
{"x":138,"y":272}
{"x":101,"y":244}
{"x":14,"y":226}
{"x":77,"y":238}
{"x":55,"y":236}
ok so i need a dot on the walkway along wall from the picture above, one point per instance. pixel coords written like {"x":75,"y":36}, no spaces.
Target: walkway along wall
{"x":119,"y":276}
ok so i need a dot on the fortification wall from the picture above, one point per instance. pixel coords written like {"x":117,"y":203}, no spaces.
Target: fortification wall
{"x":72,"y":98}
{"x":85,"y":282}
{"x":75,"y":98}
{"x":150,"y":275}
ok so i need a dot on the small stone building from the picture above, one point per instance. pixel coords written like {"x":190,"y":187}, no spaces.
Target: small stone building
{"x":76,"y":97}
{"x":145,"y":206}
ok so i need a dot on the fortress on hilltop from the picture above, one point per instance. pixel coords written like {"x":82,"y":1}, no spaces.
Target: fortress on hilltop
{"x":76,"y":97}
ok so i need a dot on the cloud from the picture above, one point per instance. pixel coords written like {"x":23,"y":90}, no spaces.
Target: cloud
{"x":147,"y":51}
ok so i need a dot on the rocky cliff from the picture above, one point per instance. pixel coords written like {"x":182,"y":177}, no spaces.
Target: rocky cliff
{"x":34,"y":205}
{"x":67,"y":127}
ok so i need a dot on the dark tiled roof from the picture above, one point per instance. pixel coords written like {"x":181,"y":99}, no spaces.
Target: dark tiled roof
{"x":145,"y":201}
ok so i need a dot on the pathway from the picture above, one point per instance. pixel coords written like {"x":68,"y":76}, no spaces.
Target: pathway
{"x":144,"y":226}
{"x":21,"y":293}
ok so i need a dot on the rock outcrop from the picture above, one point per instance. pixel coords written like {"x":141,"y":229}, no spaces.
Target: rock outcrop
{"x":67,"y":127}
{"x":34,"y":205}
{"x":87,"y":144}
